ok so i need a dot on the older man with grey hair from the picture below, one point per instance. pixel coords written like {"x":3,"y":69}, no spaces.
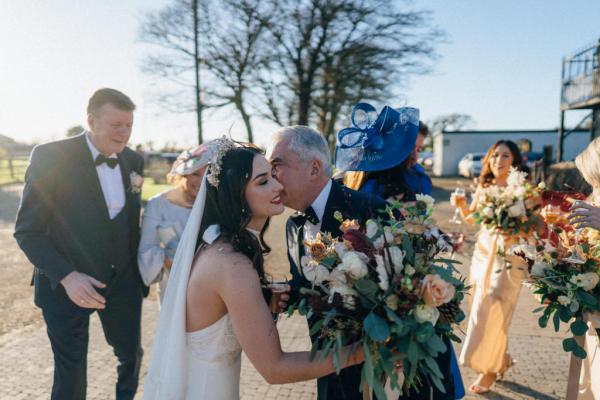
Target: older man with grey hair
{"x":301,"y":161}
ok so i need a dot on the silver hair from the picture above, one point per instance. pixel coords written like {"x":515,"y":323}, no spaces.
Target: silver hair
{"x":308,"y":144}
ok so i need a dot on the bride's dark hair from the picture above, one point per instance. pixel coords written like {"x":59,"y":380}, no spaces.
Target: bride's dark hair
{"x":227,"y":206}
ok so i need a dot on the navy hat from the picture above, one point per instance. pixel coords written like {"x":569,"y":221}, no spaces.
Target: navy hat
{"x":376,"y":142}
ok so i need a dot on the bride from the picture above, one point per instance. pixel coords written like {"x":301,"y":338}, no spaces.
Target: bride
{"x":213,"y":307}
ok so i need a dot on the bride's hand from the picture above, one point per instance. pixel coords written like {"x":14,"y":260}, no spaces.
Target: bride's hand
{"x":356,"y":354}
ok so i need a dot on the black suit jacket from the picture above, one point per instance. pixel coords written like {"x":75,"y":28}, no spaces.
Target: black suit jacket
{"x":352,"y":205}
{"x":63,"y":222}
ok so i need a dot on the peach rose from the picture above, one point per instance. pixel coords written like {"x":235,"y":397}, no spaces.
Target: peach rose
{"x":317,"y":250}
{"x":436,"y":291}
{"x":349,"y":224}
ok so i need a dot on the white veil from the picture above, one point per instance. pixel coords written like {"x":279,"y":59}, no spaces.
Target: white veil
{"x":167,"y":374}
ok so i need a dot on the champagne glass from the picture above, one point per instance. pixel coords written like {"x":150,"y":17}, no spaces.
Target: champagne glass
{"x":458,"y":192}
{"x":575,"y":258}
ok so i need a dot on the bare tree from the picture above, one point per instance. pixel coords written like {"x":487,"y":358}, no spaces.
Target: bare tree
{"x":330,"y":54}
{"x":289,"y":61}
{"x":230,"y":33}
{"x":453,"y":121}
{"x":74,"y":130}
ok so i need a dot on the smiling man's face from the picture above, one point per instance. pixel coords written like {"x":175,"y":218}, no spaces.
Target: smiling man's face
{"x":110,"y":128}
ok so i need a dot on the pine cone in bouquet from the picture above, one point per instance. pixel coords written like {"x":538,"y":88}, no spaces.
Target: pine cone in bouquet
{"x":450,"y":313}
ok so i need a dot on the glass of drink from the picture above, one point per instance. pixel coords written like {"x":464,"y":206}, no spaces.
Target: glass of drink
{"x":277,"y":289}
{"x":457,"y":194}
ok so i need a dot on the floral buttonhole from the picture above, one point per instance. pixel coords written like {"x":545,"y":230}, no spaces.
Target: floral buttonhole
{"x":137,"y":181}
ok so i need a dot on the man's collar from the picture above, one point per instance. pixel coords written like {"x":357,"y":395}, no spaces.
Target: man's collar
{"x":321,"y":201}
{"x":93,"y":148}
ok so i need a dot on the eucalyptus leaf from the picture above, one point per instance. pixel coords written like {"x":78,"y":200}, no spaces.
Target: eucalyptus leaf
{"x":585,"y":297}
{"x":376,"y":327}
{"x":579,"y":328}
{"x":413,"y":352}
{"x":569,"y":344}
{"x":579,"y":352}
{"x":556,"y":321}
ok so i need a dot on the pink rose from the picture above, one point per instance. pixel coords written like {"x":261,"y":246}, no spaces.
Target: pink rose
{"x":436,"y":291}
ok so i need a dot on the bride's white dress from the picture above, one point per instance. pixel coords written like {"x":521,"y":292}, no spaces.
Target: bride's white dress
{"x":199,"y":365}
{"x":214,"y":362}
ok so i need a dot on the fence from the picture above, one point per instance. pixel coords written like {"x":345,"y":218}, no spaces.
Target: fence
{"x":12,"y":170}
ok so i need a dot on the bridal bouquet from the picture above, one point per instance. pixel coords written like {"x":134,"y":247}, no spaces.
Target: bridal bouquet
{"x":383,"y":285}
{"x":512,"y":209}
{"x":564,"y":274}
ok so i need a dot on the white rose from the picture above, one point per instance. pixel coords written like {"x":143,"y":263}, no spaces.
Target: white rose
{"x":587,"y":281}
{"x":382,"y":273}
{"x":340,"y":248}
{"x":379,"y":243}
{"x":392,"y":301}
{"x":354,"y":264}
{"x":337,"y":278}
{"x":428,"y":200}
{"x":425,"y":313}
{"x":372,"y":229}
{"x":539,"y":269}
{"x":397,"y":258}
{"x":542,"y":185}
{"x":315,"y":272}
{"x":488,"y":212}
{"x":517,"y":209}
{"x":520,"y":191}
{"x":410,"y":270}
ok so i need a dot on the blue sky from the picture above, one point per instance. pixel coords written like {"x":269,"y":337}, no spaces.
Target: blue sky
{"x":501,"y":65}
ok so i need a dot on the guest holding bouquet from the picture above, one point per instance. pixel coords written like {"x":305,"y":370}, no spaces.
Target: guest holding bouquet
{"x":166,"y":214}
{"x":587,"y":215}
{"x":496,"y":279}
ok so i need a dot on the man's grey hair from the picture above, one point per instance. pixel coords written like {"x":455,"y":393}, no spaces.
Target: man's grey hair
{"x":308,"y":144}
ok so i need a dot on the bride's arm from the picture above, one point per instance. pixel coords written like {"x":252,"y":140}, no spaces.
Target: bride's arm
{"x":254,"y":327}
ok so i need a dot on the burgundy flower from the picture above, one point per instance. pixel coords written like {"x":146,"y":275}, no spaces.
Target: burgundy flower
{"x":359,"y":242}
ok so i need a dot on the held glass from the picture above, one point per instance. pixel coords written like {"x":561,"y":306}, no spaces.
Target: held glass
{"x":458,"y":192}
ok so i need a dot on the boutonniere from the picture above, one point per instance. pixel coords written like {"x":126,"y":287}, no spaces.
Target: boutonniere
{"x":136,"y":182}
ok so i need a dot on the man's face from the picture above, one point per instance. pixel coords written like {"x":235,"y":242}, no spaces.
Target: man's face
{"x":110,"y":129}
{"x":292,"y":173}
{"x":413,"y":158}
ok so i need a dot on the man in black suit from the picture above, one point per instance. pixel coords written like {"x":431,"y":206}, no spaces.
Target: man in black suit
{"x":301,"y":162}
{"x":78,"y":224}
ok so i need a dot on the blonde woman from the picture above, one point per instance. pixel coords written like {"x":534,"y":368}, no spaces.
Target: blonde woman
{"x":495,"y":287}
{"x":587,"y":215}
{"x":166,"y":214}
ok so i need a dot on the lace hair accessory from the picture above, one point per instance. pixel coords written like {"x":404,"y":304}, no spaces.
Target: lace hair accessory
{"x":219,"y":147}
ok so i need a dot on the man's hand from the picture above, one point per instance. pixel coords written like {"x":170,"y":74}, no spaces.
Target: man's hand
{"x":80,"y":289}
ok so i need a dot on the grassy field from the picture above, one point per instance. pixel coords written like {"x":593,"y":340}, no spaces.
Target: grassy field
{"x":19,"y":165}
{"x":150,"y":189}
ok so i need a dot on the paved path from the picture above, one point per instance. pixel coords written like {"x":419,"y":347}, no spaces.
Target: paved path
{"x":26,"y":359}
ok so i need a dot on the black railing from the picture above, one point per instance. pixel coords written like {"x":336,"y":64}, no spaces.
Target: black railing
{"x":581,"y":79}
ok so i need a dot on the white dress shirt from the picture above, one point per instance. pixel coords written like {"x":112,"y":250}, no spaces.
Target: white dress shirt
{"x":111,"y":182}
{"x":318,"y":205}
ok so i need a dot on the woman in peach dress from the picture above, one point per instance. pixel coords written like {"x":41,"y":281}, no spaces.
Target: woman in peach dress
{"x":495,"y":287}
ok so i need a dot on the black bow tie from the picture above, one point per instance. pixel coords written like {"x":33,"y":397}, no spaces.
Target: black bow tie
{"x":308,"y":215}
{"x":111,"y":162}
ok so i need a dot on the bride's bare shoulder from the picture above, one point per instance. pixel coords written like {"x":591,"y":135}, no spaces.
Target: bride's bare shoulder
{"x":220,"y":257}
